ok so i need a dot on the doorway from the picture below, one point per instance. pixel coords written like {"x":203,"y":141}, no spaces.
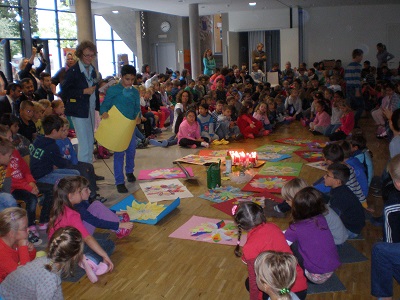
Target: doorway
{"x":165,"y":54}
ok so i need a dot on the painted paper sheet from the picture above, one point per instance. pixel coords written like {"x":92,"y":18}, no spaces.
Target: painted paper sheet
{"x":215,"y":231}
{"x":310,"y":156}
{"x":223,"y":193}
{"x":258,"y":198}
{"x":281,"y":168}
{"x":199,"y":160}
{"x":283,"y":149}
{"x":322,"y":165}
{"x":163,"y":173}
{"x":115,"y":132}
{"x":263,"y":183}
{"x":317,"y":146}
{"x":164,"y":190}
{"x":297,"y":141}
{"x":145,"y":212}
{"x":271,"y":156}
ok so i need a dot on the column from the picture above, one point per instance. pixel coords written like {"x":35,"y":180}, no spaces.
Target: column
{"x":84,"y":20}
{"x":194,"y":40}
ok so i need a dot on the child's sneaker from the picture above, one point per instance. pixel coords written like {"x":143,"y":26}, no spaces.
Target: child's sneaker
{"x":206,"y":145}
{"x":239,"y":137}
{"x":86,"y":264}
{"x":34,"y":239}
{"x":250,"y":136}
{"x":43,"y":226}
{"x":266,"y":132}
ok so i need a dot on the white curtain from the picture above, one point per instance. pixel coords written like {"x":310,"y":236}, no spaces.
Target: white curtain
{"x":255,"y":37}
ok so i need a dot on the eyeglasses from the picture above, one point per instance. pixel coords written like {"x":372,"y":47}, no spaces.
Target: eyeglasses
{"x":89,"y":55}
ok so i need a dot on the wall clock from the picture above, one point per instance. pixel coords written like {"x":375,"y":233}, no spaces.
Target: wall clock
{"x":165,"y":26}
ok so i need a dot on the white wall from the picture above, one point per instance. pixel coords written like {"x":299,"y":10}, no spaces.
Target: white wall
{"x":333,"y":32}
{"x":259,"y":20}
{"x":289,"y":46}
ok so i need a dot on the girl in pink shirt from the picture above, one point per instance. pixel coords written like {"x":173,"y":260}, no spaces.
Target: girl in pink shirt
{"x":322,"y":118}
{"x":189,"y":132}
{"x":68,"y":192}
{"x":347,"y":121}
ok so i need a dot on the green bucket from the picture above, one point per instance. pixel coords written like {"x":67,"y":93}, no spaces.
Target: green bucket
{"x":214,"y":175}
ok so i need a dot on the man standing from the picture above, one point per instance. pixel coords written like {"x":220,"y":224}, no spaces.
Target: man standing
{"x":44,"y":91}
{"x":352,"y":76}
{"x":259,"y":56}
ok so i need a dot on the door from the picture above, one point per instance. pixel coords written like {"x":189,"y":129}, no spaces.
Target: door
{"x":165,"y":54}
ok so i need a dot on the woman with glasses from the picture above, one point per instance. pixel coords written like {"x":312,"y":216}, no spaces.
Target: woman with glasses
{"x":81,"y":96}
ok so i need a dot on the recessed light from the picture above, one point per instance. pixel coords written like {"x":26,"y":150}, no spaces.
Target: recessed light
{"x":252,"y":3}
{"x":115,"y":11}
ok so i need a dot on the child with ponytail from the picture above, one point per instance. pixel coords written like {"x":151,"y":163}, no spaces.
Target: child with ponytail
{"x":262,"y":236}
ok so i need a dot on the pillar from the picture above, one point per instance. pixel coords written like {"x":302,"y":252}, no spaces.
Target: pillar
{"x":194,"y":40}
{"x":84,"y":20}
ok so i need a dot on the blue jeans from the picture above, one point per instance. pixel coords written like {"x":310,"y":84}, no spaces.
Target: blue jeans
{"x":385,"y":264}
{"x":7,"y":200}
{"x":331,"y":129}
{"x":356,"y":103}
{"x":58,"y":174}
{"x":84,"y":129}
{"x":30,"y":202}
{"x":107,"y":245}
{"x":129,"y":162}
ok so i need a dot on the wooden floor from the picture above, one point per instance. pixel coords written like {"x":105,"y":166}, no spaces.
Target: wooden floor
{"x":150,"y":265}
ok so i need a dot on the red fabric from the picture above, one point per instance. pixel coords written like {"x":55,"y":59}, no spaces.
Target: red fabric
{"x":72,"y":218}
{"x":244,"y":122}
{"x":20,"y":173}
{"x":266,"y":237}
{"x":161,"y":117}
{"x":347,"y":121}
{"x":11,"y":258}
{"x":214,"y":85}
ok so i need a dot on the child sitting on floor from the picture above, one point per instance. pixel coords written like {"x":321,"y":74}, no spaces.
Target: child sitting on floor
{"x":189,"y":132}
{"x":67,"y":193}
{"x":360,"y":151}
{"x":248,"y":125}
{"x":322,"y":119}
{"x":37,"y":117}
{"x":15,"y":248}
{"x":347,"y":123}
{"x":276,"y":274}
{"x":262,"y":236}
{"x":206,"y":123}
{"x":20,"y":142}
{"x":343,"y":201}
{"x":226,"y":128}
{"x":6,"y":150}
{"x":293,"y":105}
{"x":58,"y":108}
{"x":310,"y":231}
{"x":261,"y":115}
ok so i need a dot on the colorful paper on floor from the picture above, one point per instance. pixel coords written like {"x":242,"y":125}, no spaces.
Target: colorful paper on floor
{"x":163,"y":173}
{"x":258,"y":198}
{"x":115,"y":132}
{"x":296,"y":141}
{"x":270,"y":156}
{"x":164,"y":190}
{"x":317,"y":146}
{"x":281,"y":168}
{"x":198,"y":160}
{"x":282,"y":149}
{"x":217,"y":153}
{"x":310,"y":156}
{"x":147,"y":213}
{"x":222,"y":194}
{"x":215,"y":231}
{"x":263,"y":183}
{"x":319,"y":165}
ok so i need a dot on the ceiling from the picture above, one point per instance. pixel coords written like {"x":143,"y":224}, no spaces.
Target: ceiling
{"x":209,"y":7}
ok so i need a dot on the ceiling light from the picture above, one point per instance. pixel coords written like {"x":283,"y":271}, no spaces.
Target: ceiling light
{"x":115,"y":11}
{"x":252,"y":3}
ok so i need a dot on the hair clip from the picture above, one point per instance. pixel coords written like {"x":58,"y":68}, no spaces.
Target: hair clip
{"x":13,"y":218}
{"x":284,"y":291}
{"x":234,"y":208}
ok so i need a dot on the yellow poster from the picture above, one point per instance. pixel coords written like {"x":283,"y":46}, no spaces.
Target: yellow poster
{"x":115,"y":132}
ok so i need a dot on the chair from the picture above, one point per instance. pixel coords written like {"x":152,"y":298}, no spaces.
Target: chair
{"x":273,"y":78}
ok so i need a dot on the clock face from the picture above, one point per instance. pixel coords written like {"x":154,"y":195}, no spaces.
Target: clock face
{"x":165,"y":26}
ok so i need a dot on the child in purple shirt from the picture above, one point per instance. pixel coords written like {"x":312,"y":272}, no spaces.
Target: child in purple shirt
{"x":316,"y":247}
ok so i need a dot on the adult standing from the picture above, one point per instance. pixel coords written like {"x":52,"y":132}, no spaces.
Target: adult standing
{"x":81,"y":96}
{"x":28,"y":71}
{"x":259,"y":56}
{"x":209,"y":63}
{"x":58,"y":78}
{"x":383,"y":56}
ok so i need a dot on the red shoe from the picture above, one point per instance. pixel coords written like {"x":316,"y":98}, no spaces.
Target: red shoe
{"x":250,"y":136}
{"x":266,"y":132}
{"x":87,"y":266}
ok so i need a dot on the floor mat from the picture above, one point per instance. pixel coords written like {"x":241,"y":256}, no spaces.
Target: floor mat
{"x":333,"y":284}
